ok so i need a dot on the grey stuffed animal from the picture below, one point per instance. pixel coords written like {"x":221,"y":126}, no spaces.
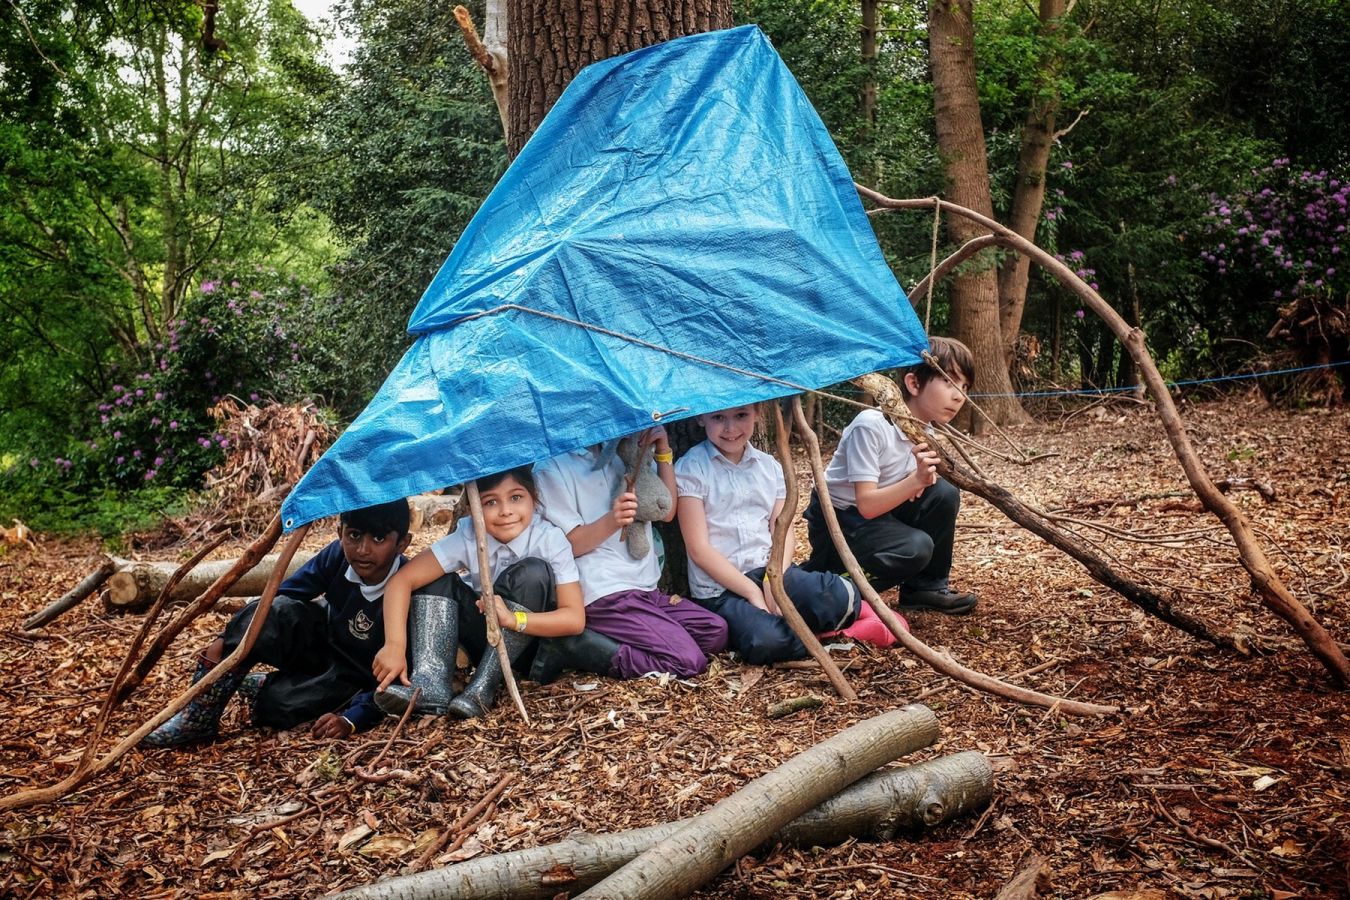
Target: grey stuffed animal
{"x":653,"y":497}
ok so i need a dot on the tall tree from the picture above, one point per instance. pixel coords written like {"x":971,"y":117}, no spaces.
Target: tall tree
{"x":549,"y":42}
{"x":1038,"y":134}
{"x":960,"y":136}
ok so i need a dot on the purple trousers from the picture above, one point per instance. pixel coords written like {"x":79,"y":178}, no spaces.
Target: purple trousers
{"x":656,"y":634}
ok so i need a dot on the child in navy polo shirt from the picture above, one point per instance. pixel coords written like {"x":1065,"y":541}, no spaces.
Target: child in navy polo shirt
{"x":324,"y":629}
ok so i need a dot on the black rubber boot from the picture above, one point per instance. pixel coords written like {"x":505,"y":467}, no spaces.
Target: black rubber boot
{"x":589,"y":651}
{"x":480,"y":693}
{"x":433,"y":638}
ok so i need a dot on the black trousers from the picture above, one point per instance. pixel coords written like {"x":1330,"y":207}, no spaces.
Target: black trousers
{"x":313,"y":677}
{"x":528,"y":582}
{"x":910,"y":546}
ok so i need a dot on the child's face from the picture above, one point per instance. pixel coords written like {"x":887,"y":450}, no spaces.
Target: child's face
{"x":937,"y":401}
{"x":730,"y":430}
{"x":507,"y":509}
{"x":371,"y":555}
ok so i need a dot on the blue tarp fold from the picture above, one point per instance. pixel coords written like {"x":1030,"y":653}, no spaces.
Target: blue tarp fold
{"x":680,"y":220}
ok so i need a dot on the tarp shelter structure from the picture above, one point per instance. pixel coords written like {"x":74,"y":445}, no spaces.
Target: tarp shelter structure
{"x":680,"y":235}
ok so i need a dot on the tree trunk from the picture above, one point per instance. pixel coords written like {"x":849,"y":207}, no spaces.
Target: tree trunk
{"x":1038,"y":135}
{"x":550,"y":41}
{"x":135,"y":585}
{"x":881,"y":806}
{"x":960,"y":135}
{"x":869,"y":60}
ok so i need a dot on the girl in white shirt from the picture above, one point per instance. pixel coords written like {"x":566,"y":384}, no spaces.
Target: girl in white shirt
{"x":730,"y":493}
{"x":537,"y":594}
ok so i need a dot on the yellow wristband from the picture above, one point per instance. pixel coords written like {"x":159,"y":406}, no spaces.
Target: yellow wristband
{"x":521,"y":619}
{"x":668,"y":456}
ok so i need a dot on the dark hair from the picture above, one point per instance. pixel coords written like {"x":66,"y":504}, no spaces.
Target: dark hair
{"x":524,"y":476}
{"x":953,"y":356}
{"x":379,"y":519}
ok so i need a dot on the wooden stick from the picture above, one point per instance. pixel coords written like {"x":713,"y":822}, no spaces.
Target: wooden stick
{"x":774,"y":570}
{"x":1272,"y":590}
{"x":71,"y":598}
{"x":883,"y":805}
{"x":678,"y":865}
{"x":459,"y":830}
{"x":112,"y":701}
{"x":942,"y":663}
{"x":256,"y":551}
{"x":85,"y":772}
{"x":494,"y":629}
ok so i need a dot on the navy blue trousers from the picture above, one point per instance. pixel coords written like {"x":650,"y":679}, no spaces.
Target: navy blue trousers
{"x":826,"y":603}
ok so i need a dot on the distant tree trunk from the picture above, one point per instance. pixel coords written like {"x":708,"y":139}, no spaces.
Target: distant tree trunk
{"x":1038,"y":133}
{"x":960,"y":135}
{"x":869,"y":59}
{"x":550,"y":41}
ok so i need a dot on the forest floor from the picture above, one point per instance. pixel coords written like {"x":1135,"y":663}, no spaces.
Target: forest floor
{"x":1228,"y":777}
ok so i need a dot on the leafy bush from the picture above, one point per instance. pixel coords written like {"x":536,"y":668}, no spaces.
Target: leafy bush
{"x":154,"y":429}
{"x":1283,"y":236}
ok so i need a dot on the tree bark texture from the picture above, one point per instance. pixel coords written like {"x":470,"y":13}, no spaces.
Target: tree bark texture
{"x":882,"y":805}
{"x":1038,"y":134}
{"x":960,"y":136}
{"x":135,"y":585}
{"x":693,"y":856}
{"x":550,"y":41}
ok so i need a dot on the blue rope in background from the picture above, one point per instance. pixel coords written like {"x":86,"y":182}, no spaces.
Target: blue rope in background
{"x":1096,"y":392}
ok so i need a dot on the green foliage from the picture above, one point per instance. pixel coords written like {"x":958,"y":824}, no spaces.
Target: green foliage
{"x":410,"y":147}
{"x":135,"y":156}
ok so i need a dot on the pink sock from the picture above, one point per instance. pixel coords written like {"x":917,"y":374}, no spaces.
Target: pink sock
{"x":871,"y":630}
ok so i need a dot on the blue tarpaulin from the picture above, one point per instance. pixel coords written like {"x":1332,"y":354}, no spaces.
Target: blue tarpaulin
{"x":679,"y":225}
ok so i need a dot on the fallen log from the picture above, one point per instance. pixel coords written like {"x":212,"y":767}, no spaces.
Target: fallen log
{"x":680,"y":864}
{"x":72,"y":598}
{"x":135,"y":585}
{"x":881,"y":806}
{"x":430,"y":510}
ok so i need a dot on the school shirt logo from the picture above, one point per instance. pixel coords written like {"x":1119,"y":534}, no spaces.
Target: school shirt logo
{"x":360,"y":626}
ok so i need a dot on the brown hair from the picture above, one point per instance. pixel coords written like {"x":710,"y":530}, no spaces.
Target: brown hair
{"x":953,"y":356}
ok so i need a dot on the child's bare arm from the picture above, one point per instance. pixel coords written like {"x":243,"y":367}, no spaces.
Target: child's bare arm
{"x":875,"y":501}
{"x":568,"y":618}
{"x":585,"y":538}
{"x":391,"y":663}
{"x":694,"y":528}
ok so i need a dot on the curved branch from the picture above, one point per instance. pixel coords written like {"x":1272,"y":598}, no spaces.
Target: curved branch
{"x":944,"y":268}
{"x":85,"y":773}
{"x":1269,"y":587}
{"x":939,"y":661}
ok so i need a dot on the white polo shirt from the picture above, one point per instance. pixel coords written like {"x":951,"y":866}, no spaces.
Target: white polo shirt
{"x":738,"y":501}
{"x":872,"y":448}
{"x":458,"y":551}
{"x":572,"y":492}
